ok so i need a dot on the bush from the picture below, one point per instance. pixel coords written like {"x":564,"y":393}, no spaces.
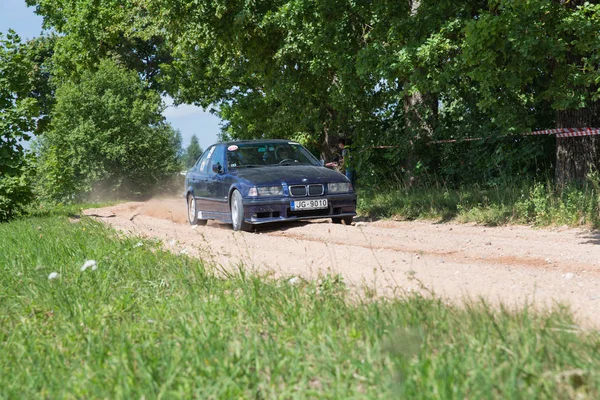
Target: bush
{"x":108,"y":135}
{"x":15,"y":193}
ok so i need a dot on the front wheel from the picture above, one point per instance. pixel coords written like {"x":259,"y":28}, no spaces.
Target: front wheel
{"x":343,"y":220}
{"x":192,"y":213}
{"x":237,"y":213}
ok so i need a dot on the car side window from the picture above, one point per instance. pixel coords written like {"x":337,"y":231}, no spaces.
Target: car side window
{"x":218,"y":158}
{"x":197,"y":165}
{"x":203,"y":162}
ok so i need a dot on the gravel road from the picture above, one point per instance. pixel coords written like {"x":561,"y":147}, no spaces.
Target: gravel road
{"x":513,"y":265}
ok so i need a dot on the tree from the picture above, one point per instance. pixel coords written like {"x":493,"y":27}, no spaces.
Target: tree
{"x":192,"y":152}
{"x":17,"y":120}
{"x":176,"y":143}
{"x":108,"y":135}
{"x":40,"y":53}
{"x":277,"y":78}
{"x":532,"y":56}
{"x":403,"y":73}
{"x":93,"y":31}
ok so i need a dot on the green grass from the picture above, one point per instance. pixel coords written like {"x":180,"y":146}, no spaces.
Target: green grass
{"x":538,"y":204}
{"x":149,"y":324}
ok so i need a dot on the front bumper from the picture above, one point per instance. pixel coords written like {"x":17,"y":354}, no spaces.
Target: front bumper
{"x":262,"y":211}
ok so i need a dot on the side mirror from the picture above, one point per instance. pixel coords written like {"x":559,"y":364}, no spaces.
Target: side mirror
{"x":322,"y":163}
{"x":217,"y":168}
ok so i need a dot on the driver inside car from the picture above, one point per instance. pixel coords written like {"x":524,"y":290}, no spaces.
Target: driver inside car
{"x":282,"y":154}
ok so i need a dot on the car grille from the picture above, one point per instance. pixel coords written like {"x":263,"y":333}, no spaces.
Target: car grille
{"x":315,"y":190}
{"x":308,"y":190}
{"x":298,"y":191}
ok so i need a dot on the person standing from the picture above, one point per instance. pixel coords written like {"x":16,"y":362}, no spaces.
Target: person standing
{"x":346,"y":161}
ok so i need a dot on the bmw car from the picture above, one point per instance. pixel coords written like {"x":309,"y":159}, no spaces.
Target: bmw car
{"x":247,"y":183}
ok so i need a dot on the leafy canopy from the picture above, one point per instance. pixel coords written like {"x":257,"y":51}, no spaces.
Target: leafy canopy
{"x":17,"y":120}
{"x":107,"y":135}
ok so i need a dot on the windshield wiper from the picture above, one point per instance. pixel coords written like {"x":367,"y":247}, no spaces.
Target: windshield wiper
{"x":292,"y":163}
{"x":246,"y":166}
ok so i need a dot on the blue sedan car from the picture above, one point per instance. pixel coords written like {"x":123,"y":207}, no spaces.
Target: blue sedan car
{"x":254,"y":182}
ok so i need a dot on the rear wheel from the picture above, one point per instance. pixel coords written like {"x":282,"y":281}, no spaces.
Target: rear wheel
{"x":192,"y":212}
{"x":343,"y":220}
{"x":237,"y":213}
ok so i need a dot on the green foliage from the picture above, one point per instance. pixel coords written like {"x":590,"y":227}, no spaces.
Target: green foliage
{"x":107,"y":135}
{"x":17,"y":112}
{"x":16,"y":189}
{"x":40,"y":54}
{"x":402,"y":74}
{"x":192,"y":152}
{"x":176,"y":144}
{"x":109,"y":29}
{"x":508,"y":202}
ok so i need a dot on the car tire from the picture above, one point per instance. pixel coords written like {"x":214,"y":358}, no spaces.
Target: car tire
{"x":343,"y":220}
{"x":192,"y":213}
{"x":237,"y":213}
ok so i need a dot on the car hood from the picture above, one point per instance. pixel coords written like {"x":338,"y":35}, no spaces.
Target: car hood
{"x":291,"y":174}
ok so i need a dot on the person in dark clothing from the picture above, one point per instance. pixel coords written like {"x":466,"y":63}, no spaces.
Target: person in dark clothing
{"x":346,"y":161}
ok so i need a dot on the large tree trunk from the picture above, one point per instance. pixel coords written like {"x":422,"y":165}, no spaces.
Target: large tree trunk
{"x":576,"y":156}
{"x":411,"y":124}
{"x":327,"y":143}
{"x":420,"y":116}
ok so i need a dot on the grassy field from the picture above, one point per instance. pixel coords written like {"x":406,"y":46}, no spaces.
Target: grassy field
{"x":521,"y":203}
{"x":149,"y":324}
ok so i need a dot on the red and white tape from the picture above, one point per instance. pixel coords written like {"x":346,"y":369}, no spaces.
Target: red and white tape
{"x":560,"y":133}
{"x":568,"y":132}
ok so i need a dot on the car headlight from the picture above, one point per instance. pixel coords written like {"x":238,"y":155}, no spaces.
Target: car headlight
{"x":270,"y":191}
{"x":341,"y":187}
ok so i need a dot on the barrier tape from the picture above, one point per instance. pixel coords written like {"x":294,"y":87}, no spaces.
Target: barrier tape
{"x":568,"y":132}
{"x":560,"y":133}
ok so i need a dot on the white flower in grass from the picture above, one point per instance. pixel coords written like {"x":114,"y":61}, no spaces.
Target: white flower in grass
{"x":138,"y":244}
{"x":53,"y":275}
{"x":89,"y":264}
{"x":294,"y":280}
{"x":183,"y":251}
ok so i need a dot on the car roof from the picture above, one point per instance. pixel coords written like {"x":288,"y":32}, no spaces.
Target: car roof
{"x":257,"y":141}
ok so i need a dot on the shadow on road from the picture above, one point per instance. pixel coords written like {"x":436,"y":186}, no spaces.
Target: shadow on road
{"x":591,"y":237}
{"x":284,"y":225}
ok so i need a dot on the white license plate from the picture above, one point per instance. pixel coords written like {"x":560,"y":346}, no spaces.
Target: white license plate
{"x":314,"y":204}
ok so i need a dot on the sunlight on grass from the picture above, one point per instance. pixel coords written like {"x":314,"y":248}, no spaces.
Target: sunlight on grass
{"x":539,"y":204}
{"x":147,"y":323}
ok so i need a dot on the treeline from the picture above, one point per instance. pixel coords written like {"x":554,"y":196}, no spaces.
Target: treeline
{"x":99,"y":135}
{"x":394,"y":77}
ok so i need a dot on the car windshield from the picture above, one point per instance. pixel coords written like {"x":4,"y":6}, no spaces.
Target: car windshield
{"x":248,"y":155}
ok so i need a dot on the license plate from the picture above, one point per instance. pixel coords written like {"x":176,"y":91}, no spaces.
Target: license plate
{"x":315,"y":204}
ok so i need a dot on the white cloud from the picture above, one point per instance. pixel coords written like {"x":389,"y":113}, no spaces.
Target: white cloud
{"x":184,"y":110}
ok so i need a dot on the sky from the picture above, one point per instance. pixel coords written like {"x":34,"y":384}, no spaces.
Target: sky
{"x":190,"y":120}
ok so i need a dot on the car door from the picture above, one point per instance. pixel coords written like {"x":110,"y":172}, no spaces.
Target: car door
{"x":193,"y":176}
{"x":216,"y":190}
{"x":200,"y":190}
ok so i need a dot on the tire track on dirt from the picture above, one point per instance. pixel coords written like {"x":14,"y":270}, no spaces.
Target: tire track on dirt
{"x":455,"y":255}
{"x":513,"y":265}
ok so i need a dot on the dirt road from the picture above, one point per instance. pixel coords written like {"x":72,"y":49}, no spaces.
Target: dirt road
{"x":510,"y":264}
